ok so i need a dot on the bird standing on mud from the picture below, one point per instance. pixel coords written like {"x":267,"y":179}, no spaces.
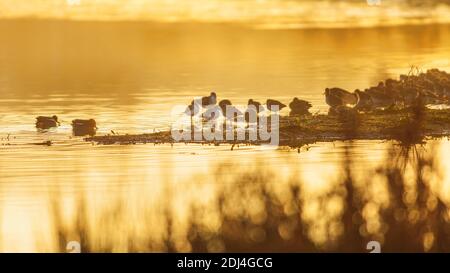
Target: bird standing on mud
{"x":299,"y":107}
{"x":344,"y":112}
{"x":337,"y":97}
{"x":194,"y":107}
{"x":364,"y":101}
{"x":209,"y":100}
{"x":253,"y":109}
{"x":380,"y":96}
{"x":255,"y":104}
{"x":272,"y":104}
{"x":229,"y":111}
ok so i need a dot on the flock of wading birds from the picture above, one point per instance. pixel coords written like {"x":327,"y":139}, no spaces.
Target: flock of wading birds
{"x":432,"y":87}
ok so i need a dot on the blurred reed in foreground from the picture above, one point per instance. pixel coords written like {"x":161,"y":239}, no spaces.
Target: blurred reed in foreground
{"x":401,"y":204}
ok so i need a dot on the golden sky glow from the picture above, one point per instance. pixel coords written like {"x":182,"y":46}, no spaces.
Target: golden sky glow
{"x":264,"y":13}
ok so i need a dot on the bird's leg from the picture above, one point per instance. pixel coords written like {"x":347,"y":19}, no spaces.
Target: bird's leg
{"x":192,"y":128}
{"x":224,"y":129}
{"x":233,"y":126}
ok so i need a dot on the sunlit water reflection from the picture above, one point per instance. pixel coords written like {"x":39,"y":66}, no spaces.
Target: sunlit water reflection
{"x":128,"y":76}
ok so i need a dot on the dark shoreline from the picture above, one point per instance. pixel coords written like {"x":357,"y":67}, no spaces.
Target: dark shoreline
{"x":296,"y":132}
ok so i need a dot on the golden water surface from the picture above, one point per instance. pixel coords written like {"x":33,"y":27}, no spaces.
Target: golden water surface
{"x":128,"y":73}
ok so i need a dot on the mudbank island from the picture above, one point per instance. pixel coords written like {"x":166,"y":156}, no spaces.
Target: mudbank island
{"x":410,"y":109}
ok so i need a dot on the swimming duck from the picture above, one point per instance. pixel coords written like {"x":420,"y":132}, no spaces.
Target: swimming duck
{"x":299,"y":107}
{"x":337,"y":96}
{"x":47,"y":122}
{"x":271,"y":103}
{"x":83,"y":127}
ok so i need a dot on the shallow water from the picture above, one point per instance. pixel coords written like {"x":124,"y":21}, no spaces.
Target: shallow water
{"x":128,"y":76}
